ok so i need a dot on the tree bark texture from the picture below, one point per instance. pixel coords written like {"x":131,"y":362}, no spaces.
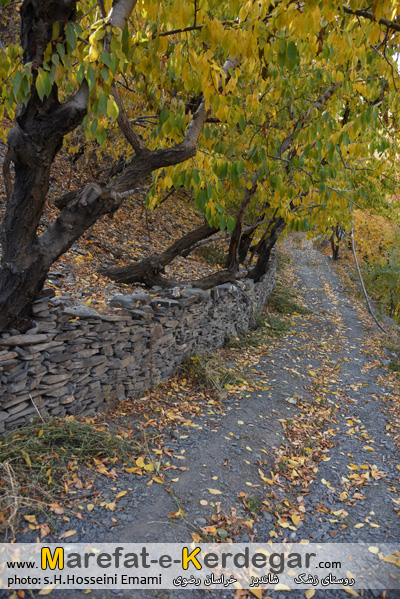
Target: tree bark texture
{"x":265,"y":249}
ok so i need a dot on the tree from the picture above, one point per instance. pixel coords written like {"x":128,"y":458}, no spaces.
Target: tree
{"x":231,"y":89}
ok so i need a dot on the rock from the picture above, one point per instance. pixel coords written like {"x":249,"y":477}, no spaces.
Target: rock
{"x":24,"y":340}
{"x":81,"y":311}
{"x":164,"y":303}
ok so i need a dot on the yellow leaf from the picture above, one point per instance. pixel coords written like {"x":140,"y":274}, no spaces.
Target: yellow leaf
{"x":46,"y":591}
{"x":215,"y":492}
{"x":90,"y":507}
{"x":309,"y":593}
{"x":68,"y":533}
{"x":157,"y":479}
{"x":40,"y":433}
{"x":111,"y":506}
{"x":390,"y":559}
{"x":360,"y":525}
{"x":30,"y":518}
{"x":373,"y":550}
{"x":134,"y":471}
{"x":257,"y":593}
{"x":26,"y":457}
{"x":295,"y":519}
{"x":203,"y":502}
{"x":140,"y":462}
{"x":195,"y":536}
{"x":121,"y":494}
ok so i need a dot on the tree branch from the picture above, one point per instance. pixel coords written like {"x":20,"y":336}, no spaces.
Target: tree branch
{"x":360,"y":12}
{"x":130,"y":134}
{"x":322,"y":100}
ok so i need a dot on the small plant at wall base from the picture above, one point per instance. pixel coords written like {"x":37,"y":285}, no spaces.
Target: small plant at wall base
{"x":35,"y":462}
{"x":207,"y":370}
{"x":282,"y":300}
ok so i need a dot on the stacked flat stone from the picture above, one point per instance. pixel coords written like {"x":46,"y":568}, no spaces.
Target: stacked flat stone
{"x":75,"y":360}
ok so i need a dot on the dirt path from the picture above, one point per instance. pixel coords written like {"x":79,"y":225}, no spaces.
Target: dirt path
{"x":323,"y":393}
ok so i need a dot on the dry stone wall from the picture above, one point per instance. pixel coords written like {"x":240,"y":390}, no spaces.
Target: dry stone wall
{"x":74,"y":360}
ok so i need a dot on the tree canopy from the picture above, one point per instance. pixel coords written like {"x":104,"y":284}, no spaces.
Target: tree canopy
{"x":280,"y":112}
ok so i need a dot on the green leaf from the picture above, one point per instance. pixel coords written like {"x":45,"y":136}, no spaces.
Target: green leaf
{"x":80,"y":74}
{"x":16,"y":85}
{"x":101,"y":136}
{"x":61,"y":50}
{"x":102,"y":103}
{"x":106,"y":59}
{"x":242,"y":123}
{"x":196,"y":177}
{"x":231,"y":224}
{"x":281,"y":60}
{"x":291,"y":52}
{"x":93,"y":126}
{"x":90,"y":78}
{"x":164,"y":115}
{"x":71,"y":36}
{"x":273,"y":181}
{"x":282,"y":46}
{"x":114,"y":64}
{"x":43,"y":84}
{"x":222,"y":223}
{"x":200,"y":199}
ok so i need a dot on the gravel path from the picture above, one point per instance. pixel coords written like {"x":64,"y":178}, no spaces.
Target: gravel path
{"x":324,"y":357}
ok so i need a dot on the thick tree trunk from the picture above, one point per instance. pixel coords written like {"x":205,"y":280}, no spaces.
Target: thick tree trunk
{"x":232,"y":262}
{"x":32,"y":146}
{"x":244,"y":246}
{"x":267,"y":244}
{"x":148,"y":270}
{"x":217,"y":278}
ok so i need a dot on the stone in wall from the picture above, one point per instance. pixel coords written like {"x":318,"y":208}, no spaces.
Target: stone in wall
{"x":74,"y":360}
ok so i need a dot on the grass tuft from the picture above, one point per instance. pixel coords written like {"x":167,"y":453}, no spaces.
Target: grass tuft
{"x":36,"y":460}
{"x":282,"y":300}
{"x":208,"y":371}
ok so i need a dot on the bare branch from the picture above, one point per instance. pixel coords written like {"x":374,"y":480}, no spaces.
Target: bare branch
{"x":130,"y":134}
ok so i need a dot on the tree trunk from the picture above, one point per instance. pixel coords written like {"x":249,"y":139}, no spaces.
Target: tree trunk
{"x":148,"y":270}
{"x":268,"y":243}
{"x":217,"y":278}
{"x":32,"y":147}
{"x":244,"y":246}
{"x":232,"y":262}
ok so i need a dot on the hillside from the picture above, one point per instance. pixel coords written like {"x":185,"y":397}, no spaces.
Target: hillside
{"x":131,"y":234}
